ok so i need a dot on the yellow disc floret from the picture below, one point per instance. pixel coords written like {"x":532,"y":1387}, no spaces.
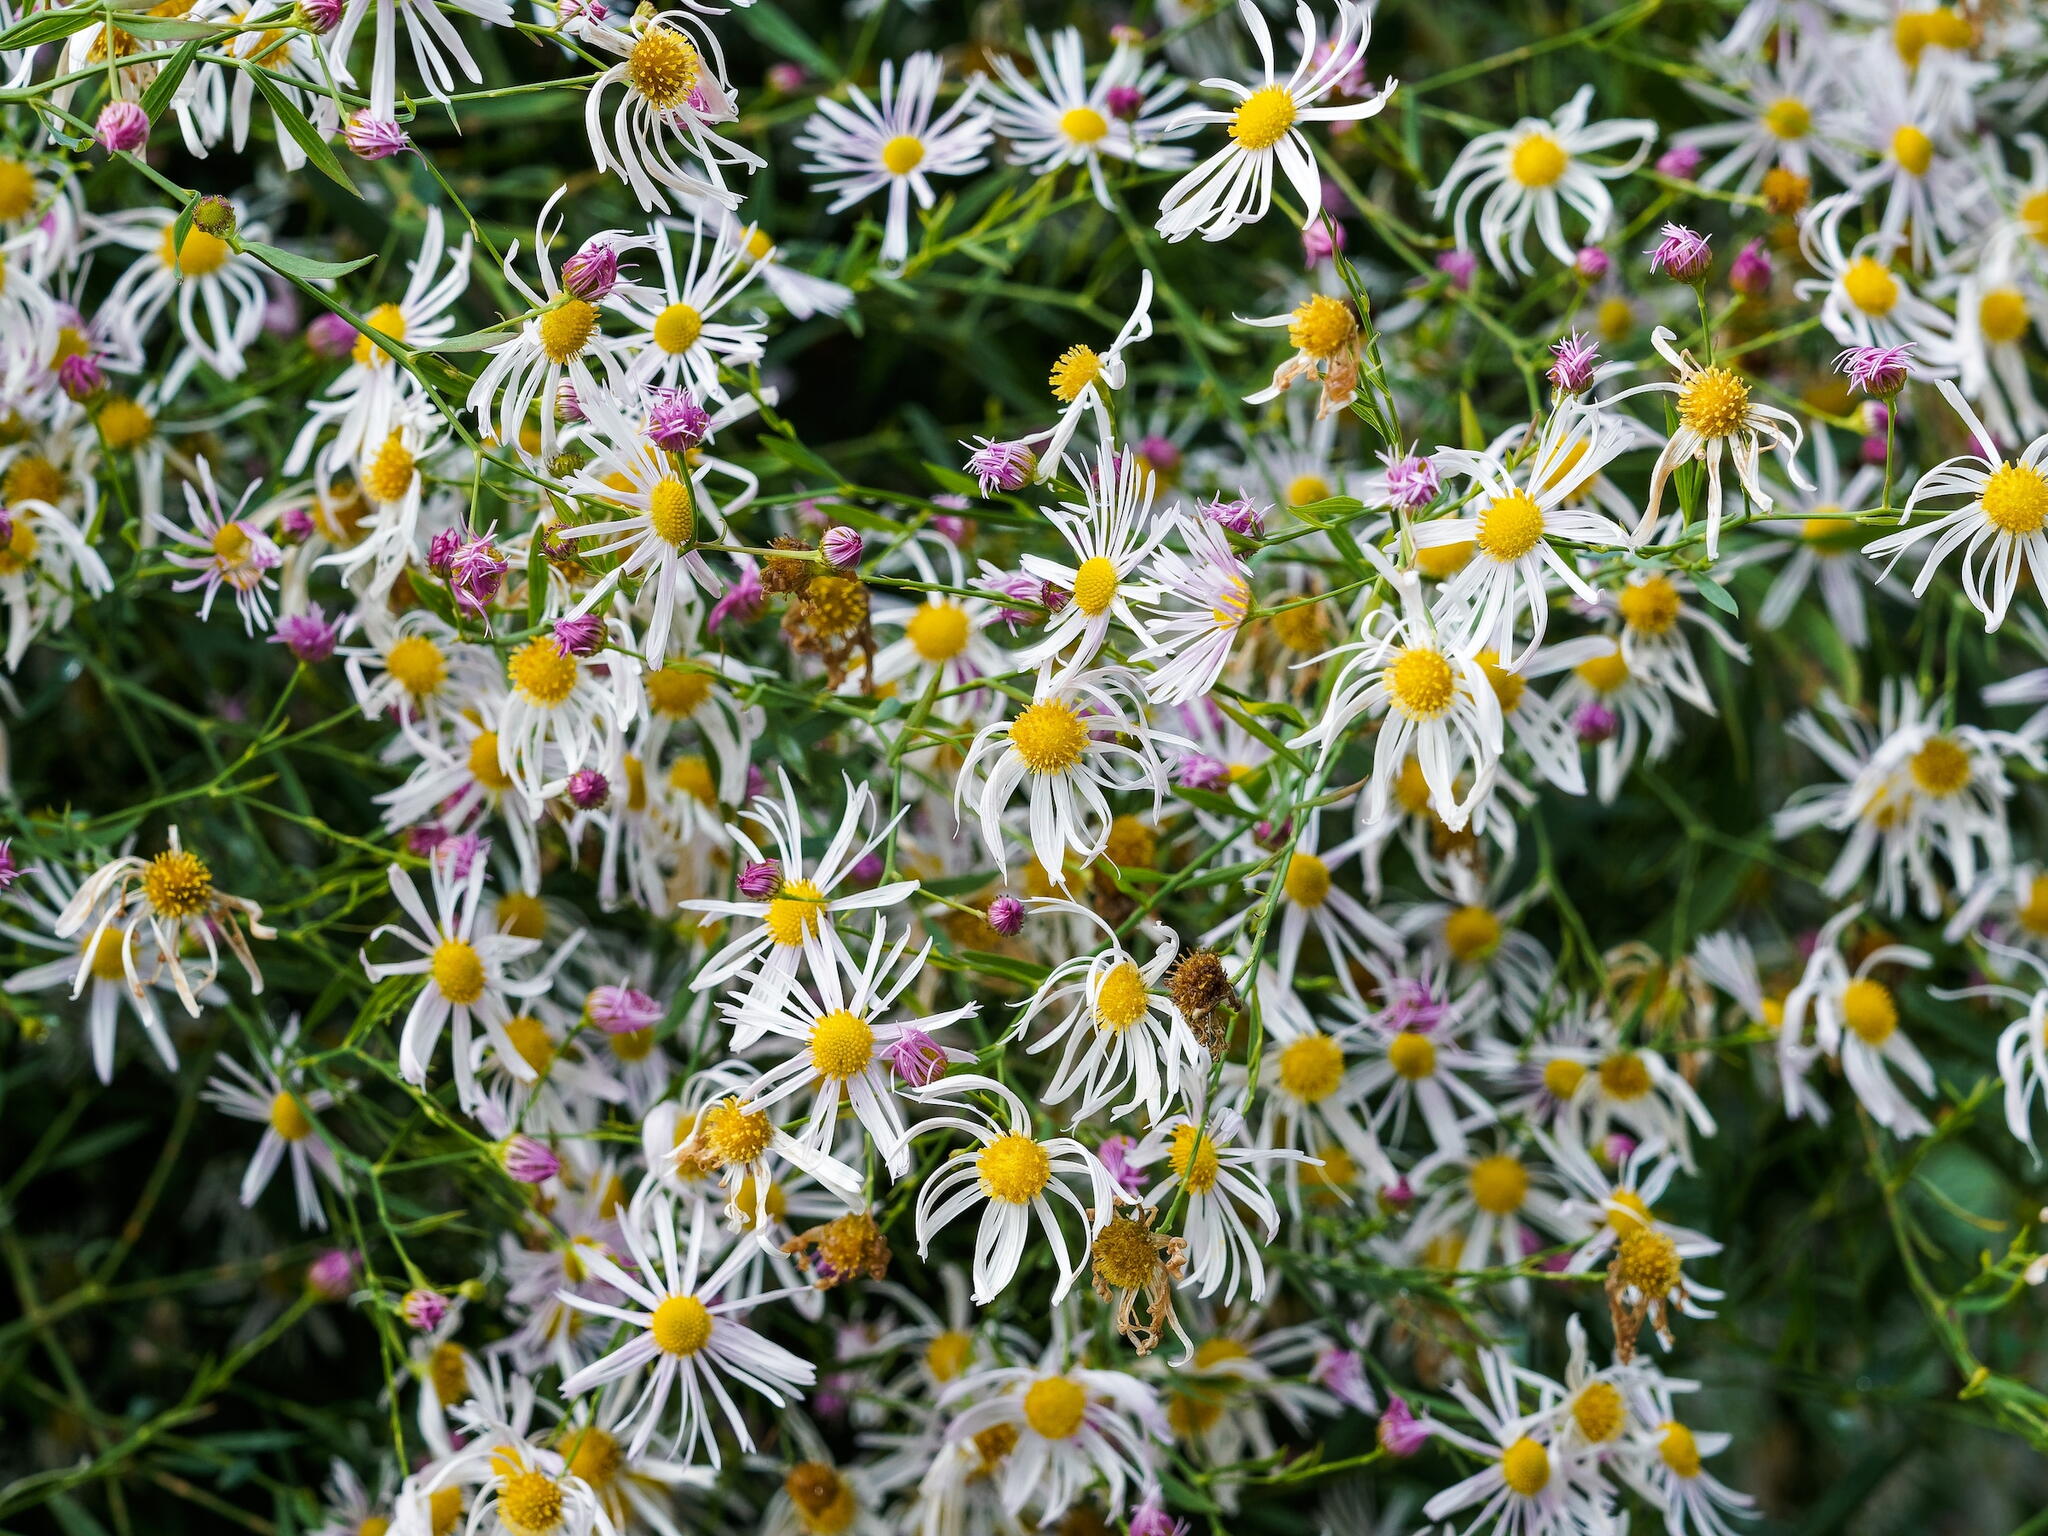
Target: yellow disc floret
{"x":1263,"y":118}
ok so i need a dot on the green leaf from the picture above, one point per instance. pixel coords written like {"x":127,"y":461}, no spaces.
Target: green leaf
{"x":1715,"y":593}
{"x":303,"y":133}
{"x":74,"y":1517}
{"x":797,"y":456}
{"x":169,"y":29}
{"x":435,"y":595}
{"x":48,"y":27}
{"x":158,"y":97}
{"x":773,"y":29}
{"x":536,"y":578}
{"x":952,"y":479}
{"x":1469,"y":430}
{"x":303,"y":267}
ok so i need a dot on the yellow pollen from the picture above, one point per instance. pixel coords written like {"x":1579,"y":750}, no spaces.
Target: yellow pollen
{"x":1305,"y":490}
{"x":1124,"y":1255}
{"x":677,"y":328}
{"x":2002,"y":315}
{"x":675,"y":692}
{"x":17,"y":191}
{"x":1263,"y":118}
{"x":2032,"y":914}
{"x":1626,"y":1211}
{"x":1095,"y":585}
{"x":1561,"y":1078}
{"x":1507,"y":687}
{"x":836,"y":605}
{"x":938,"y":631}
{"x":1788,"y":118}
{"x":1648,"y":1260}
{"x":734,"y":1134}
{"x":947,"y":1354}
{"x":200,"y":255}
{"x":1084,"y":125}
{"x":681,"y":1326}
{"x":994,"y":1443}
{"x":541,"y":673}
{"x":1472,"y":934}
{"x":1912,"y":149}
{"x":1049,"y":736}
{"x":663,"y":68}
{"x":758,"y":244}
{"x":672,"y":511}
{"x":389,"y":475}
{"x":1714,"y":403}
{"x":231,"y":543}
{"x":566,"y":330}
{"x":691,"y":775}
{"x":389,"y":319}
{"x":1411,"y":1055}
{"x":1073,"y":371}
{"x":632,"y":1045}
{"x":123,"y":423}
{"x":484,"y":764}
{"x":1055,"y":1406}
{"x":1525,"y":1467}
{"x":1307,"y":882}
{"x":1868,"y":1010}
{"x":1421,"y":683}
{"x":1499,"y":1184}
{"x":1322,"y":326}
{"x":2016,"y":499}
{"x":594,"y":1456}
{"x":288,"y":1120}
{"x":1940,"y":767}
{"x":2034,"y":216}
{"x":1538,"y":161}
{"x":1122,"y":998}
{"x":1603,"y":674}
{"x":1013,"y":1169}
{"x":109,"y":956}
{"x":796,"y":913}
{"x":1599,"y":1412}
{"x":1679,"y":1451}
{"x":1624,"y":1076}
{"x":1510,"y":527}
{"x":1311,"y":1068}
{"x":1192,"y":1156}
{"x":1870,"y":286}
{"x":448,"y":1368}
{"x":530,"y":1039}
{"x":530,"y":1503}
{"x":444,"y":1507}
{"x":1439,"y":562}
{"x":903,"y":154}
{"x":1650,"y":606}
{"x":177,"y":884}
{"x":841,"y":1045}
{"x":458,"y":972}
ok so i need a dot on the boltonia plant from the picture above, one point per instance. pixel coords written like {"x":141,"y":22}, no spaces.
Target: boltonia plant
{"x":855,"y":769}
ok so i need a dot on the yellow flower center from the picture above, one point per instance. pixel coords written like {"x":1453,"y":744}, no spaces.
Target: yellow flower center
{"x":1680,"y":1452}
{"x":1650,"y":606}
{"x":1714,"y":403}
{"x":17,"y":191}
{"x":796,"y":913}
{"x":841,"y":1045}
{"x":1623,"y":1076}
{"x":663,"y":68}
{"x":676,"y":693}
{"x":1538,"y":161}
{"x":521,"y":916}
{"x":1869,"y":1011}
{"x":594,"y":1456}
{"x":2016,"y":499}
{"x":530,"y":1039}
{"x":530,"y":1503}
{"x":458,"y":972}
{"x":2032,"y":914}
{"x":672,"y":511}
{"x":484,"y":765}
{"x":1788,"y":118}
{"x":566,"y":330}
{"x":1561,"y":1078}
{"x":231,"y":543}
{"x":1421,"y":683}
{"x":1049,"y":736}
{"x":198,"y":255}
{"x":1439,"y":562}
{"x":937,"y":631}
{"x":825,"y":1505}
{"x":734,"y":1134}
{"x":691,"y":775}
{"x":1598,"y":1411}
{"x":389,"y":475}
{"x":109,"y":956}
{"x":1472,"y":934}
{"x":1525,"y":1467}
{"x":1054,"y":1407}
{"x":1013,"y":1169}
{"x":2002,"y":315}
{"x":1192,"y":1156}
{"x":1311,"y":1068}
{"x":1912,"y":149}
{"x":1083,"y":125}
{"x":123,"y":423}
{"x":1305,"y":490}
{"x":677,"y":328}
{"x":1411,"y":1055}
{"x":903,"y":154}
{"x":682,"y":1326}
{"x":1307,"y":881}
{"x":389,"y":319}
{"x":1322,"y":326}
{"x":1122,"y":998}
{"x":1095,"y":585}
{"x":288,"y":1120}
{"x":1626,"y":1211}
{"x":1510,"y":527}
{"x":1940,"y":767}
{"x":444,"y":1507}
{"x":1615,"y":318}
{"x":1603,"y":674}
{"x":2034,"y":216}
{"x":1263,"y":118}
{"x":542,"y":673}
{"x":1073,"y":371}
{"x":177,"y":884}
{"x":1499,"y":1184}
{"x":947,"y":1354}
{"x":1869,"y":285}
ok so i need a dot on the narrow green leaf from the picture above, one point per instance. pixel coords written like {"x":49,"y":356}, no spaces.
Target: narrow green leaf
{"x":293,"y":265}
{"x":303,"y":133}
{"x":158,"y":97}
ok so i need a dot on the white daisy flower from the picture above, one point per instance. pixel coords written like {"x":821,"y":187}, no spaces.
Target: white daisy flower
{"x":1603,"y":1203}
{"x":1855,"y":1019}
{"x":2001,"y":321}
{"x":1786,"y":113}
{"x":432,"y":40}
{"x":1535,"y":1481}
{"x":860,"y":147}
{"x":1234,"y":186}
{"x":1822,"y":542}
{"x":1626,"y":715}
{"x":1311,"y":1093}
{"x":2023,"y":1044}
{"x":673,"y":76}
{"x":1666,"y":1469}
{"x":44,"y":564}
{"x":1112,"y":533}
{"x":1081,"y":380}
{"x":1227,"y":1216}
{"x":1200,"y":603}
{"x":1532,"y":172}
{"x":690,"y":346}
{"x":222,"y":551}
{"x":1864,"y":303}
{"x":219,"y":292}
{"x":276,"y":1101}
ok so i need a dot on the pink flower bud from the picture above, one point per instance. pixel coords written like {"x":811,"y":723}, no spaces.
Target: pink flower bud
{"x":80,"y":376}
{"x":1682,"y":255}
{"x":916,"y":1058}
{"x":1878,"y":371}
{"x":1681,"y":161}
{"x":788,"y":79}
{"x":122,"y":126}
{"x":372,"y":138}
{"x":1006,"y":915}
{"x":580,"y":634}
{"x":529,"y":1161}
{"x":308,"y":636}
{"x":1591,"y":264}
{"x":1400,"y":1431}
{"x":675,"y":422}
{"x":842,"y":546}
{"x":1750,"y":273}
{"x":954,"y":530}
{"x":1151,"y":1519}
{"x":319,"y":15}
{"x":593,"y":272}
{"x":332,"y":1275}
{"x":1125,"y":102}
{"x":589,"y":790}
{"x":331,"y":336}
{"x":1001,"y":466}
{"x":1460,"y":267}
{"x":423,"y":1310}
{"x":622,"y":1010}
{"x":760,"y":880}
{"x":1595,"y":723}
{"x":1115,"y":1153}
